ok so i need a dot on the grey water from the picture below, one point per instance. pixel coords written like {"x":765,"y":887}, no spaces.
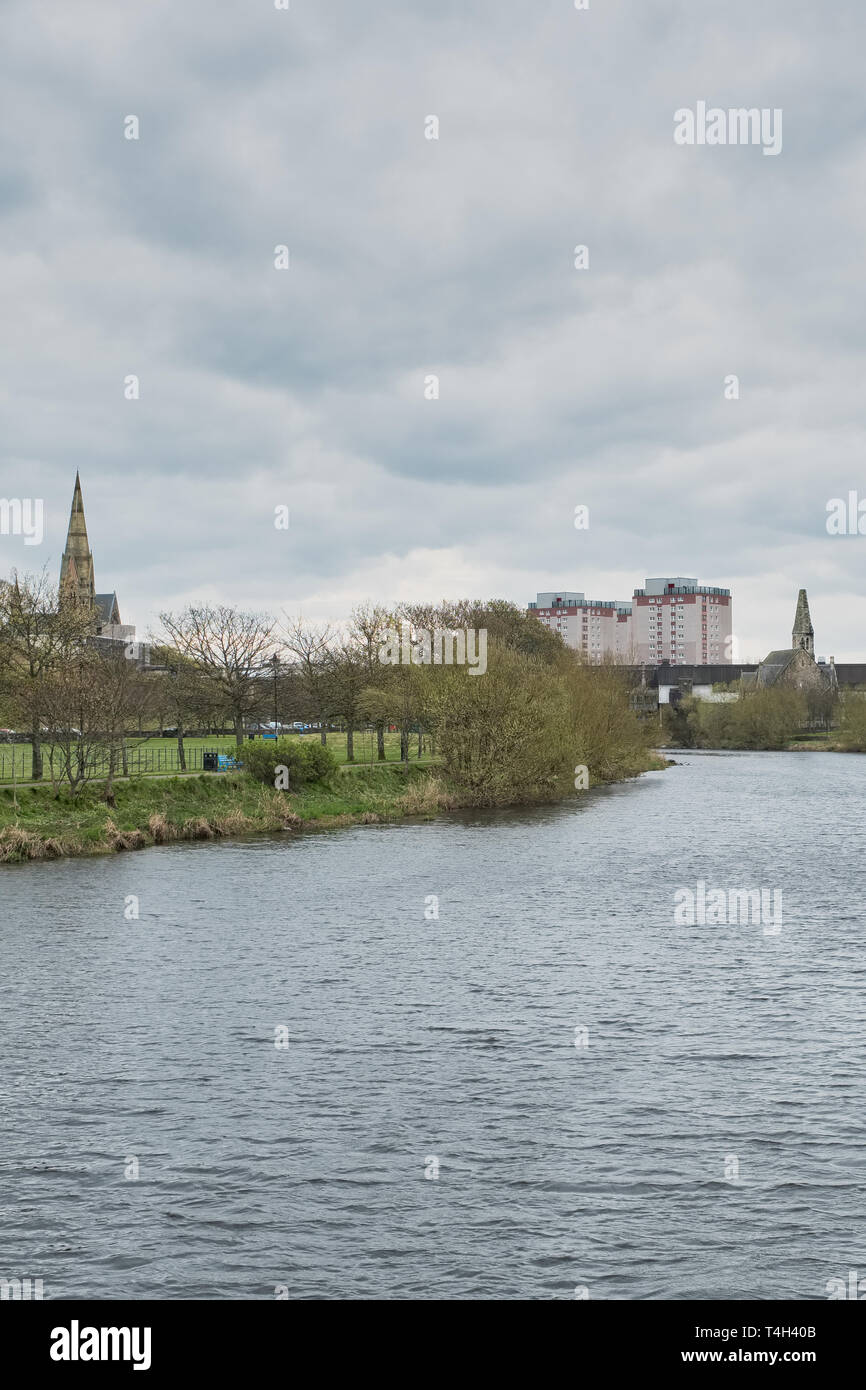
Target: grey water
{"x":703,"y":1138}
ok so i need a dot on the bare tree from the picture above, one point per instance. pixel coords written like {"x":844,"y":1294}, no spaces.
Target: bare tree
{"x":122,"y":693}
{"x":369,"y":622}
{"x":230,"y":649}
{"x":37,"y":632}
{"x":311,"y":646}
{"x":73,"y":706}
{"x":350,"y":676}
{"x":181,"y":690}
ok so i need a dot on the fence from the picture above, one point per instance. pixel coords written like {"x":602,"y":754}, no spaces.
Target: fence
{"x":16,"y":762}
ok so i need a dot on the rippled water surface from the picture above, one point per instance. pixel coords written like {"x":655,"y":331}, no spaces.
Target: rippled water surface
{"x":411,"y":1039}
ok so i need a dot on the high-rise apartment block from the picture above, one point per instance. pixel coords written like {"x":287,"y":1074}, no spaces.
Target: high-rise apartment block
{"x":596,"y":627}
{"x":672,"y":618}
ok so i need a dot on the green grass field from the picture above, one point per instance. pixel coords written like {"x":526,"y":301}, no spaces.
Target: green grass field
{"x":158,"y":755}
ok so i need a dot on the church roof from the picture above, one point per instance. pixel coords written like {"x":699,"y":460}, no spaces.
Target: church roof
{"x":106,"y":607}
{"x":76,"y":570}
{"x":774,"y":665}
{"x":76,"y":566}
{"x":794,"y":665}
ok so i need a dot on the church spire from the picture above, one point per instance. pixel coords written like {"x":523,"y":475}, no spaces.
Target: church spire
{"x":76,"y":567}
{"x":803,"y":634}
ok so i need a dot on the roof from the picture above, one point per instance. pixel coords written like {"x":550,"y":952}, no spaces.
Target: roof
{"x":775,"y":665}
{"x":670,"y":673}
{"x":106,"y":606}
{"x":76,"y":564}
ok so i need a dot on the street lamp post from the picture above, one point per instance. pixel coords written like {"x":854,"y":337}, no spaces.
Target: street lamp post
{"x":275,"y":662}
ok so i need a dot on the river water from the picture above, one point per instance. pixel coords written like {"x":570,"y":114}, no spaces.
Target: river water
{"x":702,"y":1138}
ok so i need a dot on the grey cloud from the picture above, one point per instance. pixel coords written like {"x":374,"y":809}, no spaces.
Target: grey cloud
{"x":453,"y":257}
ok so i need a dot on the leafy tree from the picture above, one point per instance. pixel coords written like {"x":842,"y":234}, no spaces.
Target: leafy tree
{"x":608,"y":738}
{"x":507,"y":624}
{"x":503,"y":736}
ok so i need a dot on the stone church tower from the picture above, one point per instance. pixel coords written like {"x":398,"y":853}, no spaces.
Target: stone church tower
{"x":77,"y":581}
{"x":803,"y":634}
{"x":76,"y":567}
{"x":794,"y":666}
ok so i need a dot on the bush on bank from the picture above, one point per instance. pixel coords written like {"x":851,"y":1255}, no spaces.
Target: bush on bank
{"x":765,"y":719}
{"x":519,"y":732}
{"x":853,"y":731}
{"x":305,"y":762}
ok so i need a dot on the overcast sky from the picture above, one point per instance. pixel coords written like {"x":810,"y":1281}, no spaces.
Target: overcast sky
{"x":409,"y":257}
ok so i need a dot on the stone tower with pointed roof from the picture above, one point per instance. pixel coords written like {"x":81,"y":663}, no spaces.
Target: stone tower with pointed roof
{"x":76,"y":567}
{"x":77,"y":580}
{"x":803,"y":634}
{"x":794,"y":666}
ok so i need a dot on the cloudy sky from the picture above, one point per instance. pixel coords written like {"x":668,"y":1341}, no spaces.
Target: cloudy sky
{"x":410,"y":257}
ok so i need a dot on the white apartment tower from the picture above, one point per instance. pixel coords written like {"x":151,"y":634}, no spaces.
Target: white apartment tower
{"x":598,"y":628}
{"x":672,"y":618}
{"x":683,"y":622}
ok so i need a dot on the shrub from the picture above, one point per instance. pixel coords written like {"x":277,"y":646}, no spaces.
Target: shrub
{"x":520,"y":731}
{"x":197,"y":828}
{"x":306,"y":762}
{"x":767,"y":718}
{"x":123,"y":839}
{"x":427,"y":795}
{"x":160,"y":828}
{"x":853,"y":733}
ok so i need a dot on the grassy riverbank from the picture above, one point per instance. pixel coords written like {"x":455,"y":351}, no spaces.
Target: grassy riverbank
{"x":151,"y":812}
{"x":803,"y":743}
{"x":830,"y":742}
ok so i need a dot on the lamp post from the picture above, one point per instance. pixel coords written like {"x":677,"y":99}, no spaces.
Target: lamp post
{"x":275,"y":662}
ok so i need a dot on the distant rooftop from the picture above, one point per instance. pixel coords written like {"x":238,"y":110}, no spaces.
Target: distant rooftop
{"x":678,"y":585}
{"x":578,"y":601}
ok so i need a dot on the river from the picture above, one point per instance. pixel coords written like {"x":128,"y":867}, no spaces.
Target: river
{"x":702,"y":1138}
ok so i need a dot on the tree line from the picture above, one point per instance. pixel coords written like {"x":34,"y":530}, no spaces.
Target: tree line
{"x":761,"y":719}
{"x":518,"y":730}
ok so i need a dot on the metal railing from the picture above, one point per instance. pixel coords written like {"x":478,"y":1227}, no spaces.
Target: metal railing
{"x":16,"y":761}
